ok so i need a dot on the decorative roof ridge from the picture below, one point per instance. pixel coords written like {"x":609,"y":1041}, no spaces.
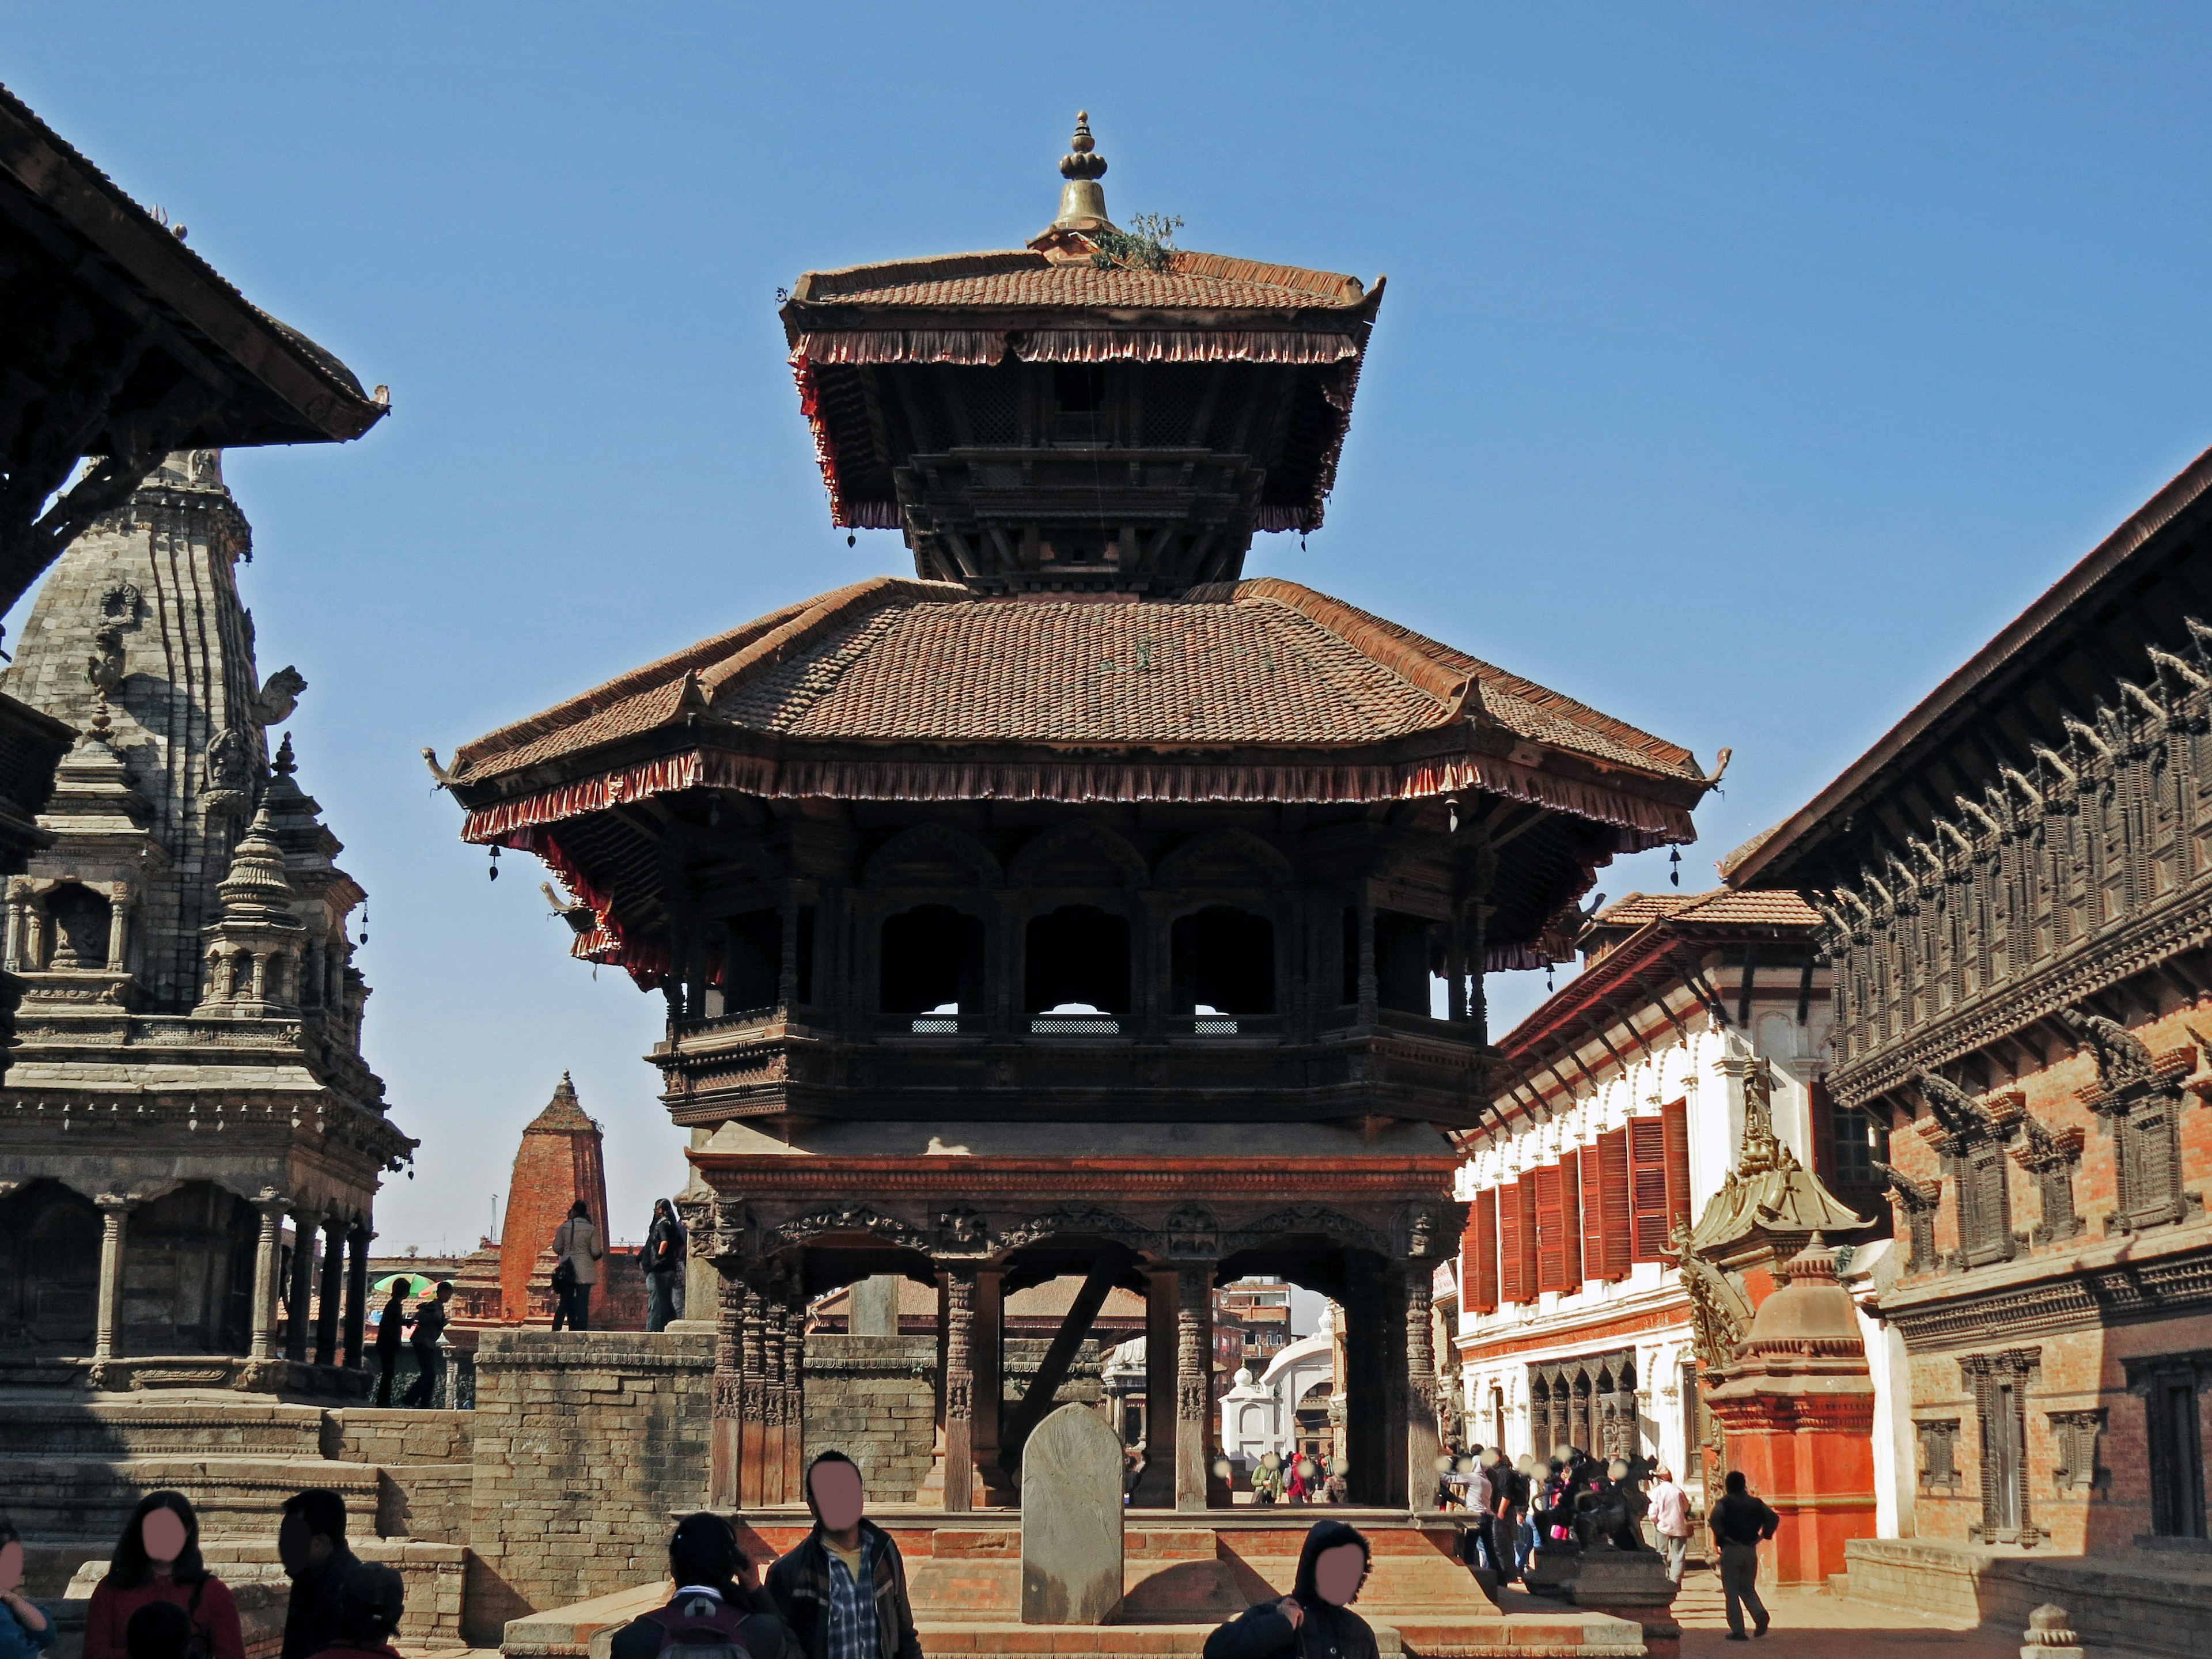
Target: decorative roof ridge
{"x":1373,"y":638}
{"x":832,"y":609}
{"x":1453,"y":666}
{"x":1338,"y":286}
{"x":817,"y":287}
{"x":651,"y":677}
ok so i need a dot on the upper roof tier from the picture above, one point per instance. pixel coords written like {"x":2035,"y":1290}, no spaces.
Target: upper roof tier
{"x":966,"y":399}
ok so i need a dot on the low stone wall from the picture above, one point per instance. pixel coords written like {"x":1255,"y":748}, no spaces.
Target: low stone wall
{"x":363,"y":1434}
{"x":584,"y":1443}
{"x":2149,"y":1603}
{"x":874,"y":1399}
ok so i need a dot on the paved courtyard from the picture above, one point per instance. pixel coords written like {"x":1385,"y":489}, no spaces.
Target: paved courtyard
{"x":1810,"y":1624}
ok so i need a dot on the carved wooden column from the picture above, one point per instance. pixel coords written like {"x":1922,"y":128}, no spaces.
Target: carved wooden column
{"x":794,"y":1392}
{"x":272,"y":1206}
{"x":722,"y":1445}
{"x":990,"y":1332}
{"x":753,"y":1394}
{"x":1156,"y":1486}
{"x":1194,"y":1400}
{"x":115,"y":1222}
{"x":300,"y":1297}
{"x":959,"y":1387}
{"x":326,"y":1313}
{"x":1420,"y":1391}
{"x":357,"y":1290}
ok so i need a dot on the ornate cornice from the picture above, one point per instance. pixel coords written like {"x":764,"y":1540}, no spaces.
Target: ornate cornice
{"x":2066,"y":1294}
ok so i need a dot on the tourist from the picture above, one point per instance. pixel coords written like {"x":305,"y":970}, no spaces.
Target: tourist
{"x":1740,"y":1524}
{"x":1267,"y":1479}
{"x":662,"y":1258}
{"x":843,"y":1588}
{"x":577,"y":1243}
{"x":160,"y":1630}
{"x":1304,"y":1477}
{"x":372,"y":1600}
{"x":1133,"y":1470}
{"x":718,"y":1602}
{"x":1332,"y":1566}
{"x":310,"y":1542}
{"x":429,"y":1358}
{"x":1337,"y":1489}
{"x":158,"y":1559}
{"x":25,"y":1627}
{"x":1527,"y":1494}
{"x":1670,"y":1520}
{"x":390,"y":1325}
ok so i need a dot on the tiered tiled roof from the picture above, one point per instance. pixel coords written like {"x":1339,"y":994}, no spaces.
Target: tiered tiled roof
{"x":1017,"y":279}
{"x":1263,"y":665}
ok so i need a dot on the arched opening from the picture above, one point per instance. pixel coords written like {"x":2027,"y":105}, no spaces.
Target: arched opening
{"x":49,"y":1298}
{"x":1222,"y":961}
{"x":1401,"y":962}
{"x":80,"y":923}
{"x":1076,"y":965}
{"x":191,"y":1272}
{"x":932,"y":964}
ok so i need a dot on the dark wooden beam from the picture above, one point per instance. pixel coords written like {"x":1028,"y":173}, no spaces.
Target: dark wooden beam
{"x":1052,"y":1371}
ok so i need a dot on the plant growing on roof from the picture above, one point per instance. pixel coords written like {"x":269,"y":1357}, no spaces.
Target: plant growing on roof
{"x":1147,"y":244}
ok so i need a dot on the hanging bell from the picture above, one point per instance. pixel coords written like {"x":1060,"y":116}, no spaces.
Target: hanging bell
{"x":1675,"y":866}
{"x":850,"y":538}
{"x":494,"y":864}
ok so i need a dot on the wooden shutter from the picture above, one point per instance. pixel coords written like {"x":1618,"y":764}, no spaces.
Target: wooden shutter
{"x":1592,"y":1183}
{"x":1478,"y":1277}
{"x":1612,"y":1200}
{"x":1647,"y":1189}
{"x":1551,"y":1226}
{"x":1571,"y":1221}
{"x":1513,"y":1280}
{"x":1527,"y":1216}
{"x":1674,"y":1122}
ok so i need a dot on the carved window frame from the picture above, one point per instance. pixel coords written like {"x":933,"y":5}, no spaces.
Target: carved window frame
{"x":1983,"y":1200}
{"x":1986,"y":1377}
{"x":2176,"y":1460}
{"x":1938,"y":1441}
{"x":2147,"y":1157}
{"x":2077,"y":1436}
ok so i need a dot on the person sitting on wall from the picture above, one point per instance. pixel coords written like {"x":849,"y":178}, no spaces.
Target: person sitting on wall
{"x":718,"y":1602}
{"x":842,"y":1591}
{"x":26,"y":1628}
{"x":371,"y":1600}
{"x":1332,"y":1566}
{"x":158,"y":1559}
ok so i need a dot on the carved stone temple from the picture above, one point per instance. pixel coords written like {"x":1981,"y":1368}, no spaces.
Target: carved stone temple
{"x":1074,"y":906}
{"x":187,"y":1078}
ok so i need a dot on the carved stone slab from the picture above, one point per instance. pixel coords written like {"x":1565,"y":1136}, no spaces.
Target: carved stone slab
{"x":1071,"y":1520}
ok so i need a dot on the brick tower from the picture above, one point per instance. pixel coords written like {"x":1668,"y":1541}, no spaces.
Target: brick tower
{"x":558,"y":1163}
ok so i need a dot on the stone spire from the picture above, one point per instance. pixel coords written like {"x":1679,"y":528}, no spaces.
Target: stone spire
{"x":559,"y":1161}
{"x":252,"y":953}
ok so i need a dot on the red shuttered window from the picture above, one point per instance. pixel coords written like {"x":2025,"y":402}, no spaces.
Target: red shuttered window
{"x":1647,"y":1189}
{"x":1674,"y":1120}
{"x":1550,"y":1225}
{"x":1593,"y":1184}
{"x":1513,"y":1278}
{"x":1478,"y":1268}
{"x":1612,"y":1200}
{"x":1571,"y":1220}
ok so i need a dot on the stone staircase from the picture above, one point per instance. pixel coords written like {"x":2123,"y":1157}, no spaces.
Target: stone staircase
{"x":72,"y":1470}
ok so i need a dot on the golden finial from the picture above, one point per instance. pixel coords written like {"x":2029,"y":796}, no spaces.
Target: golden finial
{"x":1082,"y":161}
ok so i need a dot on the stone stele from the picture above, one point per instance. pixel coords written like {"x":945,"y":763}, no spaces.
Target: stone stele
{"x":1071,"y":1520}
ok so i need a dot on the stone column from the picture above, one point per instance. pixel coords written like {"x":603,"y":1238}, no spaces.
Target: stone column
{"x":326,"y":1314}
{"x":959,"y":1387}
{"x":356,"y":1290}
{"x":119,"y":927}
{"x":114,"y":1222}
{"x":301,"y":1295}
{"x":18,"y":910}
{"x":722,"y":1446}
{"x":272,"y":1206}
{"x":1194,"y":1400}
{"x":1155,"y":1487}
{"x":1420,"y":1392}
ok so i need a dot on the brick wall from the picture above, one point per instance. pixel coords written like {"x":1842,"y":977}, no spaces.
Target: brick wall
{"x":584,"y":1443}
{"x":874,"y":1399}
{"x":365,"y":1434}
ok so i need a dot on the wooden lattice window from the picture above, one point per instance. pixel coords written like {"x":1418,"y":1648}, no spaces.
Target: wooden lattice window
{"x":1647,"y":1189}
{"x":1984,"y":1209}
{"x":2149,"y":1153}
{"x":2074,"y":1436}
{"x":1939,"y":1455}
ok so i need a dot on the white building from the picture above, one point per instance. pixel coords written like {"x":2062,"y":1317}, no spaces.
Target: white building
{"x":1623,"y":1105}
{"x":1262,"y":1413}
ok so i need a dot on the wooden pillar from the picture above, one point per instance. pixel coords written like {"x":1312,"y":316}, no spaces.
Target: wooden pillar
{"x":114,"y":1223}
{"x":722,"y":1445}
{"x":1369,"y":1383}
{"x":299,"y":1298}
{"x":775,"y":1330}
{"x":272,"y":1207}
{"x":1370,"y":987}
{"x":326,"y":1315}
{"x":1420,"y":1385}
{"x":1155,"y":1487}
{"x":990,"y":1349}
{"x":356,"y":1290}
{"x":794,"y":1393}
{"x":1194,"y":1401}
{"x":959,"y":1390}
{"x":752,"y":1395}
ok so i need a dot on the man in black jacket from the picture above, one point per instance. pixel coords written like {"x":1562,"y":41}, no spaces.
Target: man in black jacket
{"x":1740,"y":1524}
{"x":843,"y":1589}
{"x":311,"y":1543}
{"x":663,"y":1261}
{"x":391,"y":1328}
{"x":717,"y":1593}
{"x":1313,"y":1621}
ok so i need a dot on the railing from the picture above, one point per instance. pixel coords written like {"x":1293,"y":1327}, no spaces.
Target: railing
{"x":897,"y":1025}
{"x":1090,"y":1025}
{"x":1223,"y":1025}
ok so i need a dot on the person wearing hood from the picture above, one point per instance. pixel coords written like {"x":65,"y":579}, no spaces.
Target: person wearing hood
{"x":843,"y":1588}
{"x":1316,"y":1619}
{"x":370,"y":1602}
{"x":718,"y":1601}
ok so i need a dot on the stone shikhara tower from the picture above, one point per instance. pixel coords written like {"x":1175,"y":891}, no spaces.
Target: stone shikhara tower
{"x":188,"y":1071}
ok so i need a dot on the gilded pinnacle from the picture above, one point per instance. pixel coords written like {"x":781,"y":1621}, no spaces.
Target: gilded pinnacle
{"x":1082,"y":161}
{"x":1082,"y":199}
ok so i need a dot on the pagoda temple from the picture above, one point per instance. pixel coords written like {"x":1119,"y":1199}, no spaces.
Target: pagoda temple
{"x":1075,"y":906}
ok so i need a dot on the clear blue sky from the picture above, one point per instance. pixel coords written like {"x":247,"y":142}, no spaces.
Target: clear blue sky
{"x":1744,"y":366}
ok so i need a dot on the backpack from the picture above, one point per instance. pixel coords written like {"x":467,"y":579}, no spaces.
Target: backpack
{"x":701,"y":1627}
{"x":564,"y":1277}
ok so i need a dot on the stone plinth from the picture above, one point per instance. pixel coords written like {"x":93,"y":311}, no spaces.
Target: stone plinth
{"x":1071,"y":1520}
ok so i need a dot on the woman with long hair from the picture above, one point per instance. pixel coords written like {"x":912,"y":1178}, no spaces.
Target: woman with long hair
{"x":158,"y":1559}
{"x":26,"y":1628}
